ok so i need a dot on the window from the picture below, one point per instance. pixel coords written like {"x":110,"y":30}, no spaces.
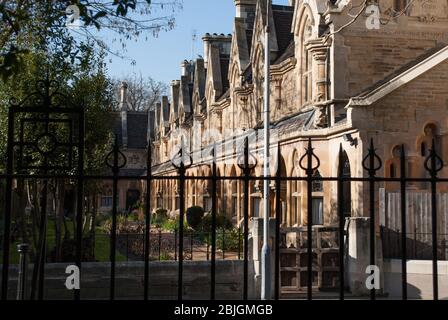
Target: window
{"x":393,"y":171}
{"x":234,"y":197}
{"x":132,"y":198}
{"x":234,"y":206}
{"x":307,"y":77}
{"x":207,"y":204}
{"x":346,"y":185}
{"x":423,"y":149}
{"x":295,"y":203}
{"x":318,"y":211}
{"x":256,"y":207}
{"x":106,"y":201}
{"x":306,"y":63}
{"x":317,"y":185}
{"x":177,"y":203}
{"x":159,"y":200}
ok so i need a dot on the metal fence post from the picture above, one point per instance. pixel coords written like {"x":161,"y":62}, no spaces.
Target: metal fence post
{"x":341,"y":225}
{"x":113,"y":162}
{"x":246,"y":168}
{"x":403,"y":224}
{"x":433,"y":165}
{"x":159,"y":243}
{"x":278,"y":217}
{"x":309,"y":170}
{"x":147,"y":249}
{"x":213,"y":225}
{"x":369,"y":165}
{"x":175,"y":244}
{"x":23,"y":270}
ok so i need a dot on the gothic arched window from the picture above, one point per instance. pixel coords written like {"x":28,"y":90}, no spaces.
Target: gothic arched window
{"x":317,"y":185}
{"x":307,"y":61}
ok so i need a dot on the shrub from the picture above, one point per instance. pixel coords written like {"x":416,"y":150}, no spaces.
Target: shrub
{"x":227,"y":240}
{"x":159,"y":217}
{"x":100,"y":219}
{"x":194,"y":216}
{"x":222,"y":222}
{"x":173,"y":225}
{"x":161,"y":213}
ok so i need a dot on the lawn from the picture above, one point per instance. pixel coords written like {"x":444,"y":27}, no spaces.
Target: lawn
{"x":102,"y":244}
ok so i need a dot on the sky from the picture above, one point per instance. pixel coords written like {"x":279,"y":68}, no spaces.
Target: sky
{"x":160,"y":57}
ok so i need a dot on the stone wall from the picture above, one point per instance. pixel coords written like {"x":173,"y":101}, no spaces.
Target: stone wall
{"x":419,"y":279}
{"x":129,"y":280}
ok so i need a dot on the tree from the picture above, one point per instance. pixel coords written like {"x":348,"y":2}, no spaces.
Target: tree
{"x":29,"y":25}
{"x":142,"y":93}
{"x":86,"y":85}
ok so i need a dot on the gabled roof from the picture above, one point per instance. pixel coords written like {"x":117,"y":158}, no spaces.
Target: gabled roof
{"x":402,"y":76}
{"x":224,"y":60}
{"x":137,"y":129}
{"x":185,"y":96}
{"x":166,"y":110}
{"x":283,"y":16}
{"x":287,"y":53}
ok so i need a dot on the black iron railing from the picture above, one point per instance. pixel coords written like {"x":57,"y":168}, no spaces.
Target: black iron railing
{"x":45,"y":110}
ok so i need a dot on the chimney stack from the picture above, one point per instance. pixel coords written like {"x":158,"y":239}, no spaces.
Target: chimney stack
{"x":222,"y":41}
{"x":123,"y":96}
{"x":175,"y":86}
{"x":124,"y":113}
{"x":246,"y":9}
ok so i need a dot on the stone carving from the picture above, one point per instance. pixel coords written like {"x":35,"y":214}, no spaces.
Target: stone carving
{"x":427,"y":18}
{"x":320,"y":117}
{"x":429,"y":10}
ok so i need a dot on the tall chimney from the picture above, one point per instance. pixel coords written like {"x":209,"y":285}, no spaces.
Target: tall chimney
{"x":185,"y":68}
{"x":206,"y":41}
{"x":124,"y":113}
{"x":175,"y":85}
{"x":123,"y":96}
{"x":246,"y":9}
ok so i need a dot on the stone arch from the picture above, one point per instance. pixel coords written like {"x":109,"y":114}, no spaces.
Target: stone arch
{"x":283,"y":191}
{"x":430,"y":131}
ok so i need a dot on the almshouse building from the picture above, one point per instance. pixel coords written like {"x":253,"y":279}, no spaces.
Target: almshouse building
{"x":334,"y":83}
{"x":334,"y":79}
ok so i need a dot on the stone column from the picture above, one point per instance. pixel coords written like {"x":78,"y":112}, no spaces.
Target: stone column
{"x":358,"y":256}
{"x":320,"y":51}
{"x":255,"y":247}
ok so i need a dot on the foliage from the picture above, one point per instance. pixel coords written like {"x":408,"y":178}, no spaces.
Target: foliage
{"x":41,"y":26}
{"x":221,"y":222}
{"x":165,"y":256}
{"x":124,"y":225}
{"x":69,"y":250}
{"x":159,"y":217}
{"x":172,"y":225}
{"x":194,"y":216}
{"x":142,"y":93}
{"x":228,"y":239}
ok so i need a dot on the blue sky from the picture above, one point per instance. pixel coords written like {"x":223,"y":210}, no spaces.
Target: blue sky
{"x":160,"y":57}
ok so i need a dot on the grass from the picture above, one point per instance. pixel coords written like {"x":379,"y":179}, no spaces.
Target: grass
{"x":102,"y":243}
{"x":102,"y":247}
